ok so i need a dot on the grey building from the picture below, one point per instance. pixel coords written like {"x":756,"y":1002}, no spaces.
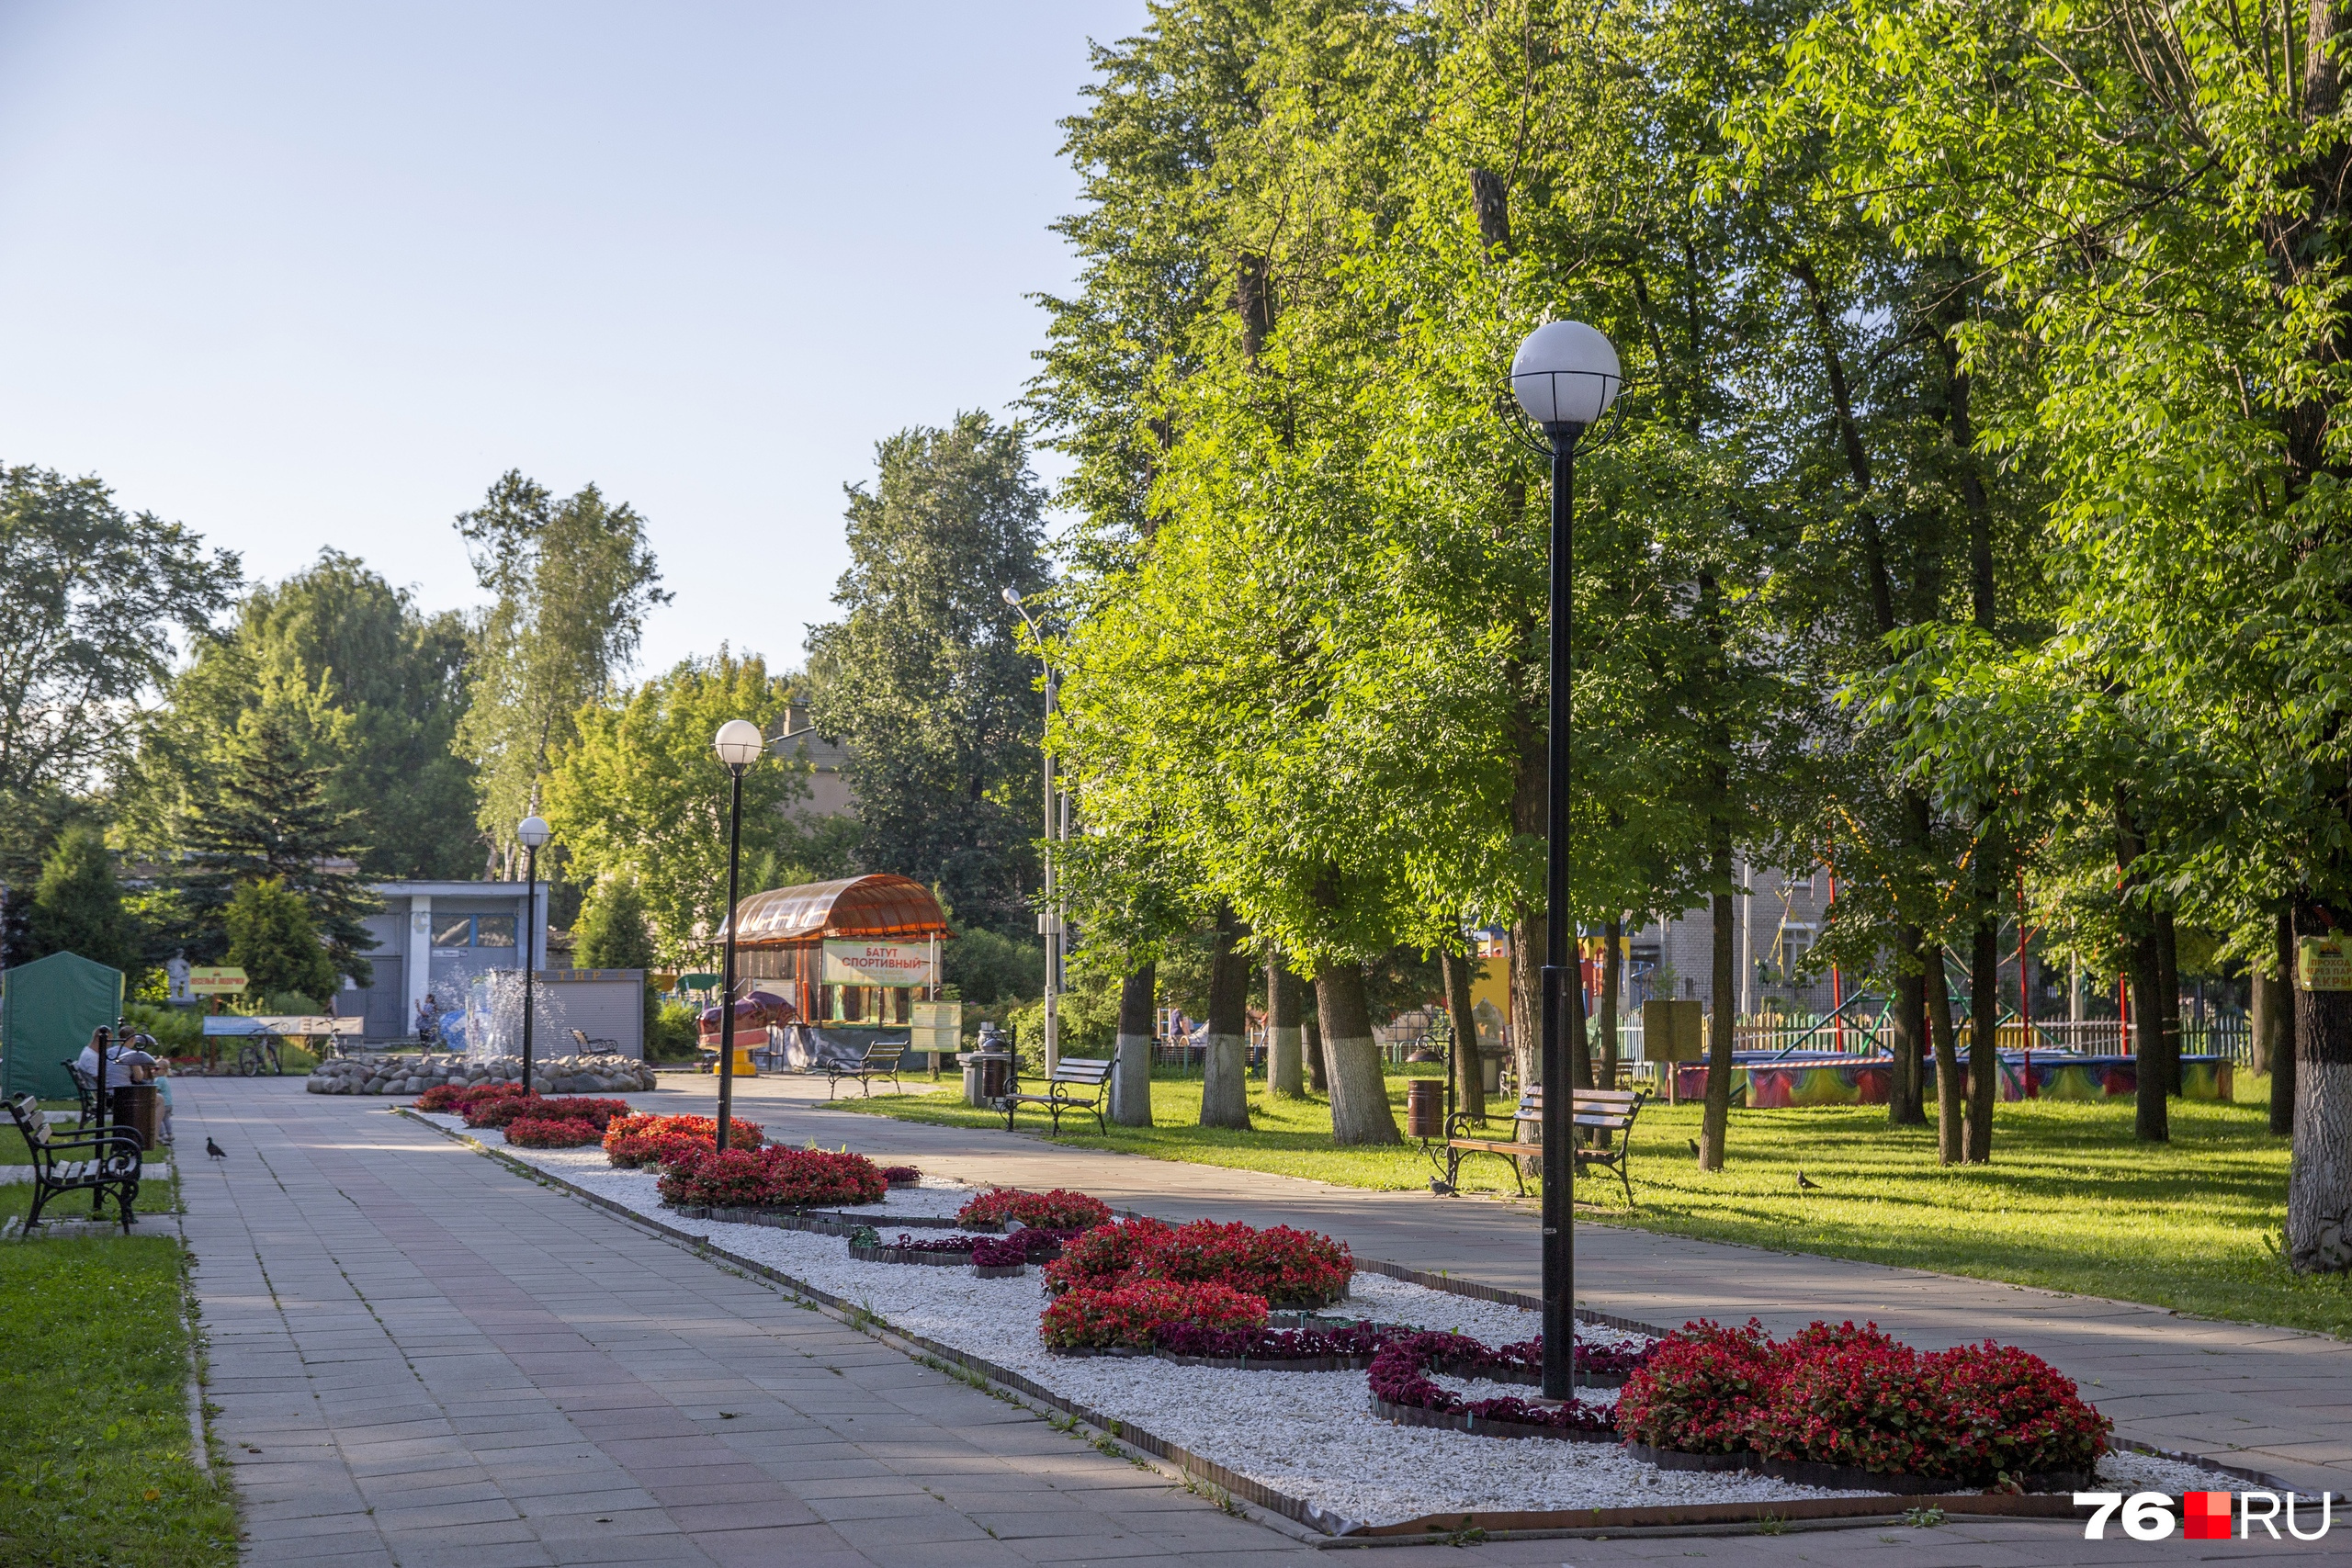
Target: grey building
{"x":438,"y":938}
{"x":795,"y":739}
{"x":1777,"y":921}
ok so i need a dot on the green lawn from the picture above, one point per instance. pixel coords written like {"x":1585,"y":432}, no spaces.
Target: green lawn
{"x":1289,"y":1137}
{"x":93,"y":1417}
{"x":2070,"y":1201}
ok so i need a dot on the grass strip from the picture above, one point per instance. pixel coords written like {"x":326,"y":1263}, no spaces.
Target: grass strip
{"x":92,"y":1413}
{"x":2071,"y":1201}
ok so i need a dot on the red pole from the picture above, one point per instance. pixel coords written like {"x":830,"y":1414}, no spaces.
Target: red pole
{"x":1837,"y":980}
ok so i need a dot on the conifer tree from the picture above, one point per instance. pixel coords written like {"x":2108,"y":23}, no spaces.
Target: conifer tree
{"x":272,"y":938}
{"x":78,"y":904}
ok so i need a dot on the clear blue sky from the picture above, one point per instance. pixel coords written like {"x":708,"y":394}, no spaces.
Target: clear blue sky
{"x":307,"y":275}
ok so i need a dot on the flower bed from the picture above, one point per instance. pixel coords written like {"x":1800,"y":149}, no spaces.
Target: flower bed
{"x":1401,"y":1390}
{"x":700,"y":1177}
{"x":1130,"y":1315}
{"x":1289,"y":1267}
{"x":1837,"y":1401}
{"x":642,"y":1139}
{"x":552,"y":1132}
{"x":902,"y":1176}
{"x":1055,"y":1211}
{"x":998,"y":1257}
{"x":497,"y":1110}
{"x":455,"y":1096}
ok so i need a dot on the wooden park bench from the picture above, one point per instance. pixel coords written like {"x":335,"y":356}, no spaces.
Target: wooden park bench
{"x":1071,"y":1073}
{"x":588,"y":1047}
{"x":880,"y":1060}
{"x":84,"y":1090}
{"x":97,"y":1163}
{"x":1602,"y":1120}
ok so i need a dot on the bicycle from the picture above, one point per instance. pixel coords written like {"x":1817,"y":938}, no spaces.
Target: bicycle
{"x":251,"y":1057}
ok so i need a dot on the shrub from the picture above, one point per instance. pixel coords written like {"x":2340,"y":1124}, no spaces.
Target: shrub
{"x":550,"y":1132}
{"x":2008,"y":1411}
{"x":1399,"y":1375}
{"x":1101,"y":1257}
{"x":1132,"y":1313}
{"x":1287,"y":1267}
{"x":1055,"y":1211}
{"x":1853,"y":1398}
{"x":900,"y":1173}
{"x":768,"y":1177}
{"x":1702,"y":1389}
{"x":642,"y":1139}
{"x":1001,"y":1251}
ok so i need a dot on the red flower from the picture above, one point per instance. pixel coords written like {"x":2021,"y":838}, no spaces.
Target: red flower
{"x":633,"y":1141}
{"x":1055,"y":1211}
{"x":697,"y":1176}
{"x":550,"y":1132}
{"x":1132,"y":1313}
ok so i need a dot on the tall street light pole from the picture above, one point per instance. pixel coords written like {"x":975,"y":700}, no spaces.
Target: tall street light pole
{"x":1564,"y":375}
{"x":1050,"y":923}
{"x":739,"y":744}
{"x":531,"y":832}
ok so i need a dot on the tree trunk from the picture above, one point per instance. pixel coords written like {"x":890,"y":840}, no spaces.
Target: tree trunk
{"x":1469,"y":1074}
{"x":1285,"y":1068}
{"x":1131,"y":1078}
{"x":2152,"y":1123}
{"x":1613,"y":991}
{"x":1360,"y":1112}
{"x":1984,"y":1024}
{"x":1527,"y":941}
{"x":1905,"y":1098}
{"x":2168,"y":996}
{"x":2263,"y":1014}
{"x":1951,"y":1143}
{"x":2282,"y":1060}
{"x":1714,"y":1123}
{"x":2319,"y":1181}
{"x":1310,"y":1046}
{"x":1580,"y":1019}
{"x":1225,"y":1070}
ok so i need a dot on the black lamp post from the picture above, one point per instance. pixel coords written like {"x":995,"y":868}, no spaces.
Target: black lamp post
{"x":739,"y":744}
{"x":531,"y":832}
{"x":1564,"y":375}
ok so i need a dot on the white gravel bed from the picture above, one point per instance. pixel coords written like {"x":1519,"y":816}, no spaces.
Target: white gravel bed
{"x":1309,"y":1435}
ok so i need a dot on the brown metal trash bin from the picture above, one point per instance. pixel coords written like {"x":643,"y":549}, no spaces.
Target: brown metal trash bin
{"x":1424,"y":1109}
{"x":140,"y":1108}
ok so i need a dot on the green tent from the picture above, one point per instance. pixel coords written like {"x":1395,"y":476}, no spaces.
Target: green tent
{"x":47,"y":1010}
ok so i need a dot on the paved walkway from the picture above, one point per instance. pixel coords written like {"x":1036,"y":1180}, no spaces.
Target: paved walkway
{"x":419,"y":1358}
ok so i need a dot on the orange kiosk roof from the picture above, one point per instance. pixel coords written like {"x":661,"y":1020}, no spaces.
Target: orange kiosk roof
{"x":877,"y":905}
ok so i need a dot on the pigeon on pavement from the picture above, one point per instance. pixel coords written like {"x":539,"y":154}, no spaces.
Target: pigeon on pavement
{"x":215,"y":1150}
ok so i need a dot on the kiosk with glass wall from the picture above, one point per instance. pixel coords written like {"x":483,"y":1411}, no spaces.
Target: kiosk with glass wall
{"x":856,"y":958}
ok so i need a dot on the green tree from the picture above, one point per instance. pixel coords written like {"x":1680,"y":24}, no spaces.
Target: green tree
{"x":637,"y":795}
{"x":272,"y":938}
{"x":399,"y":675}
{"x":923,"y":679}
{"x":573,"y":581}
{"x":612,"y":932}
{"x":89,"y":600}
{"x":272,"y":817}
{"x":77,"y":906}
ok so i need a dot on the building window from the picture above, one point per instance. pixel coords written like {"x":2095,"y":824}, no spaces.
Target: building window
{"x":494,"y":931}
{"x":453,"y":930}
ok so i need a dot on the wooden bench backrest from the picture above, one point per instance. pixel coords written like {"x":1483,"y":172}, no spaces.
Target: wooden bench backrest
{"x":1081,"y":1070}
{"x":884,"y":1053}
{"x":1586,"y":1108}
{"x":26,"y":1111}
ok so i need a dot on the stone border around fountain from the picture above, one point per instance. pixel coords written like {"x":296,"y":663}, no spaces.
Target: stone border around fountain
{"x":410,"y":1073}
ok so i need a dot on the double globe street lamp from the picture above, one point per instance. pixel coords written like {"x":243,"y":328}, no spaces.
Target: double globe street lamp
{"x":739,"y":744}
{"x":1565,"y":377}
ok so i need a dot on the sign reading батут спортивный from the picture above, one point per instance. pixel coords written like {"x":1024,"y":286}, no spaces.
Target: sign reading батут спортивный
{"x":853,"y":963}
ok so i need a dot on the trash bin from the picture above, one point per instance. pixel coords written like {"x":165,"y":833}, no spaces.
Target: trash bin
{"x":138,"y":1106}
{"x":1424,"y":1109}
{"x":985,"y":1075}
